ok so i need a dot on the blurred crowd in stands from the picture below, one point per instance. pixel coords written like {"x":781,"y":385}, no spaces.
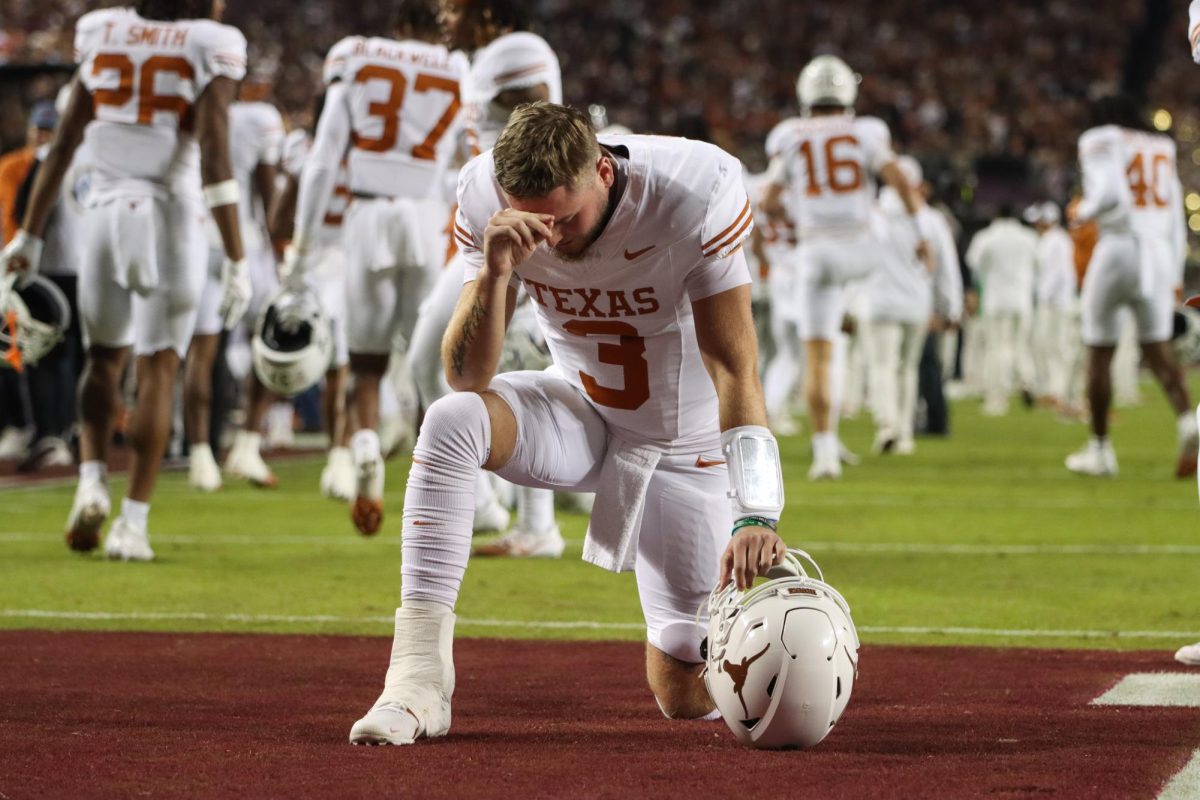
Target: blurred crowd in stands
{"x":956,"y":81}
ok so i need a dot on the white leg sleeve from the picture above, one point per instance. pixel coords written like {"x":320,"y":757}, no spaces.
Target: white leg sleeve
{"x":439,"y":504}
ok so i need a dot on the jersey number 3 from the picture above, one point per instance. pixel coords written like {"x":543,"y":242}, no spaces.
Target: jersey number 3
{"x":388,"y":110}
{"x":629,"y":354}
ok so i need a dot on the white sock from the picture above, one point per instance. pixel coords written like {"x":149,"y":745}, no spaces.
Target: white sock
{"x":201,"y":451}
{"x":1099,"y":442}
{"x":825,"y":445}
{"x":422,"y":652}
{"x":1186,"y":425}
{"x":365,"y":446}
{"x":135,"y":512}
{"x":485,"y":495}
{"x":439,"y":502}
{"x":535,"y":509}
{"x":92,"y":471}
{"x":251,"y":440}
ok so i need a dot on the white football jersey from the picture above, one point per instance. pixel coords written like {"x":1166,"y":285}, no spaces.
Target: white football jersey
{"x":1157,"y":192}
{"x":1107,"y":197}
{"x":296,"y":147}
{"x":145,"y":77}
{"x":619,"y":323}
{"x":513,"y":61}
{"x":828,"y":165}
{"x":402,"y":104}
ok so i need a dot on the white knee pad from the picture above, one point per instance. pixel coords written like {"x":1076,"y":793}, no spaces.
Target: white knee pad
{"x":680,"y":640}
{"x":456,"y":427}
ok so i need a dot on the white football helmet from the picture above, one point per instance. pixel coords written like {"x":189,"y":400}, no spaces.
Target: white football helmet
{"x":34,"y":317}
{"x":1186,"y":335}
{"x":782,"y":657}
{"x":293,"y":342}
{"x":827,"y":81}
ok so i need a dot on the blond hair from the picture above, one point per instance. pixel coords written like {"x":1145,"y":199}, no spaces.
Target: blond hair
{"x":542,"y":147}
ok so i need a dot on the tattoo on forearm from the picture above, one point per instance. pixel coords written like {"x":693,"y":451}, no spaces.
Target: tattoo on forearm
{"x":466,"y":335}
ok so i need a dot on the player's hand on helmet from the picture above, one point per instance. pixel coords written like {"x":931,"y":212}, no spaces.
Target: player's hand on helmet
{"x":23,"y":254}
{"x":511,"y":237}
{"x":293,"y":269}
{"x":235,"y":292}
{"x":751,"y":552}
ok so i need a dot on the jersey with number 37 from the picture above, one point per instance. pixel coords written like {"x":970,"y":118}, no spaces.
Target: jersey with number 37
{"x":828,"y":165}
{"x":402,"y":101}
{"x":145,"y":77}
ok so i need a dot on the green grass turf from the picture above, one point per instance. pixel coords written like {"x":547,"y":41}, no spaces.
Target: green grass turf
{"x":250,"y":560}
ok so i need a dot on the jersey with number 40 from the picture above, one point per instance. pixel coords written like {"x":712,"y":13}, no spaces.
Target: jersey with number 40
{"x":145,"y":77}
{"x":828,"y":165}
{"x":400,"y":104}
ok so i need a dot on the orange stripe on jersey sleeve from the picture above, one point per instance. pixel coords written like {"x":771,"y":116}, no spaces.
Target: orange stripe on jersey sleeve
{"x":1194,"y":37}
{"x":730,"y":239}
{"x":721,"y":235}
{"x":512,"y":75}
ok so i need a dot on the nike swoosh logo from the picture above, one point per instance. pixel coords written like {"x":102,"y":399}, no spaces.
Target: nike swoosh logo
{"x":705,"y":463}
{"x":423,"y":522}
{"x":631,"y":256}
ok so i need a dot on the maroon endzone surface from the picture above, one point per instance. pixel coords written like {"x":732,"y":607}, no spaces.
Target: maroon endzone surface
{"x":87,"y":715}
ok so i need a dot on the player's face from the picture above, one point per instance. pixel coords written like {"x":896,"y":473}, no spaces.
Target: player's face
{"x":452,"y":14}
{"x":579,"y":213}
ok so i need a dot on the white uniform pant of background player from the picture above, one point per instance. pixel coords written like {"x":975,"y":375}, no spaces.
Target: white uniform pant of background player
{"x":1127,"y":272}
{"x":561,"y":442}
{"x":783,"y":371}
{"x":264,"y":284}
{"x":388,"y":243}
{"x":893,"y":353}
{"x":433,"y":317}
{"x":140,"y":273}
{"x":1053,"y":351}
{"x":1004,"y":364}
{"x":827,"y":263}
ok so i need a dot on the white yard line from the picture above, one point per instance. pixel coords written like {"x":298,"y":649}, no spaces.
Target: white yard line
{"x":854,"y":548}
{"x":1159,"y":689}
{"x":318,"y":619}
{"x":1186,"y":783}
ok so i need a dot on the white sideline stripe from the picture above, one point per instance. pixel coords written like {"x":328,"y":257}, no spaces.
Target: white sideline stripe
{"x":108,"y":616}
{"x":871,"y":548}
{"x":201,"y":616}
{"x":1178,"y":689}
{"x":1186,"y":783}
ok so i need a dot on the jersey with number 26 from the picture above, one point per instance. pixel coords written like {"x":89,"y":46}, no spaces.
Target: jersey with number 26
{"x":145,"y":77}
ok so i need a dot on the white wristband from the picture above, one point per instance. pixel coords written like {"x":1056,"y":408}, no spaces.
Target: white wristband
{"x":225,"y":193}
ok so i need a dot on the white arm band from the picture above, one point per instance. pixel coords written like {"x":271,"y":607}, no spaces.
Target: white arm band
{"x":225,"y":193}
{"x":755,"y":473}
